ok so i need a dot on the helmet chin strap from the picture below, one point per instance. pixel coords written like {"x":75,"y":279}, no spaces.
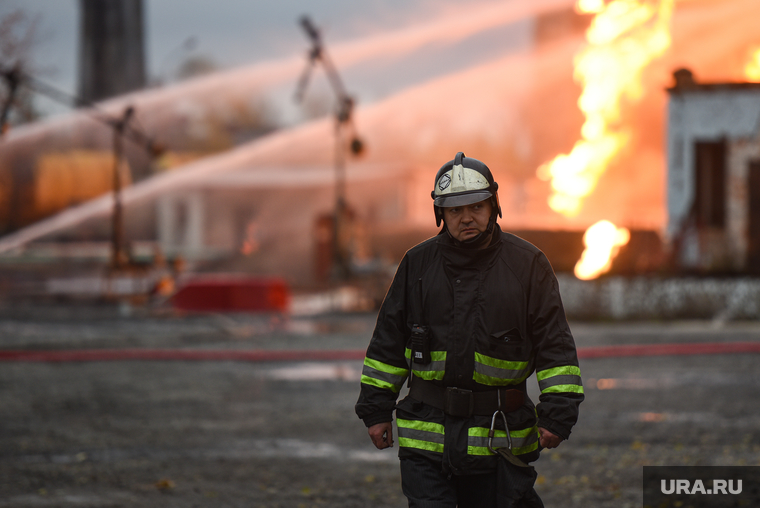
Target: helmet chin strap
{"x":478,"y":241}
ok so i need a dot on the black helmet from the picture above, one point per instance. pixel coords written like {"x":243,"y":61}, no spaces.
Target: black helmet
{"x":463,"y":181}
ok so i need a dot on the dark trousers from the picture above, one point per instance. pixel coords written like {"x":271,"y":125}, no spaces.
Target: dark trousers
{"x":426,"y":486}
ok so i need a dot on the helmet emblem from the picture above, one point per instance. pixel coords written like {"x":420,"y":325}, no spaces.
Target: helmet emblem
{"x":444,"y":182}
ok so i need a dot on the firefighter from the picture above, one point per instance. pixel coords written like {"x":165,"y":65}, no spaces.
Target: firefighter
{"x":470,"y":315}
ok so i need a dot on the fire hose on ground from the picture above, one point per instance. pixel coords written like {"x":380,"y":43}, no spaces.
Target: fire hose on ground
{"x":303,"y":355}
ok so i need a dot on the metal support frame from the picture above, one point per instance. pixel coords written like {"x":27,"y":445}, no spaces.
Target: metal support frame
{"x":119,"y":253}
{"x":343,"y":122}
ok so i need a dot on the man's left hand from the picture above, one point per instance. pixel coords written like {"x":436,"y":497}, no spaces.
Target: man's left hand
{"x":548,"y":440}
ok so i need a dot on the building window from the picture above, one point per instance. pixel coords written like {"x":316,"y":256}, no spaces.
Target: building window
{"x":753,"y":249}
{"x":710,"y":169}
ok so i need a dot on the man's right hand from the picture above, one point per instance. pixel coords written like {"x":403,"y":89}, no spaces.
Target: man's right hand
{"x":381,"y":435}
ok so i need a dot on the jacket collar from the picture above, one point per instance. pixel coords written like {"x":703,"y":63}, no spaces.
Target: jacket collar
{"x":472,"y":259}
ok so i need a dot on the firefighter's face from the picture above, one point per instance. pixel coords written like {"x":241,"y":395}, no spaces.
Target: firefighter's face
{"x":468,"y":221}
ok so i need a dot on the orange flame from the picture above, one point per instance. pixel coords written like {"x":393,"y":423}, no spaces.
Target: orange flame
{"x":603,"y":241}
{"x":752,"y":69}
{"x":624,"y":37}
{"x":251,"y":243}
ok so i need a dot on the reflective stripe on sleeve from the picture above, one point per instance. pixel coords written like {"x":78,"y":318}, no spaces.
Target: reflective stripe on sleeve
{"x":565,"y":379}
{"x":382,"y":375}
{"x":433,"y":370}
{"x":523,"y":441}
{"x":494,"y":372}
{"x":421,"y":435}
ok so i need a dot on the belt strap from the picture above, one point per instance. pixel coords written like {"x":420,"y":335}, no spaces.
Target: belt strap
{"x":465,"y":403}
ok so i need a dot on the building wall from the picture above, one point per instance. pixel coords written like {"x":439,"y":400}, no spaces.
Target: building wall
{"x":711,"y":114}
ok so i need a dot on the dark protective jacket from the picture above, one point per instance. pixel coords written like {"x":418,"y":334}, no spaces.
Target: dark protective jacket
{"x":494,"y":316}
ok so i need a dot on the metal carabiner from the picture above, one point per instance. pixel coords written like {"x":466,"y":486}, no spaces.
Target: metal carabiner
{"x":492,"y":430}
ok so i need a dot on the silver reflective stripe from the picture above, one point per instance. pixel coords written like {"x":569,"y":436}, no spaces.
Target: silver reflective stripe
{"x":523,"y":441}
{"x":441,"y":365}
{"x":526,"y":443}
{"x":420,"y":435}
{"x":387,"y":380}
{"x":497,"y":372}
{"x":499,"y":441}
{"x":433,"y":370}
{"x":559,"y":380}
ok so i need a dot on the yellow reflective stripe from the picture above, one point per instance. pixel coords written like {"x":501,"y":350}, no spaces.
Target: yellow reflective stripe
{"x":481,"y":433}
{"x":524,"y":437}
{"x":435,"y":370}
{"x":429,"y":375}
{"x":384,"y":367}
{"x":383,"y":375}
{"x":420,"y":425}
{"x":412,"y":434}
{"x":522,"y":450}
{"x":565,"y":370}
{"x":494,"y":372}
{"x":563,"y":389}
{"x":371,"y":381}
{"x":478,"y":450}
{"x":421,"y":445}
{"x":564,"y":379}
{"x":436,"y":356}
{"x":494,"y":381}
{"x":501,"y":364}
{"x":523,"y":433}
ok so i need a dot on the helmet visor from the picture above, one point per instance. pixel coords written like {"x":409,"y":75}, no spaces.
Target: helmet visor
{"x":468,"y":198}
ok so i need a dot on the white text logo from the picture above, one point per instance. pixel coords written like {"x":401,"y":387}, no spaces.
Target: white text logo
{"x":686,"y":487}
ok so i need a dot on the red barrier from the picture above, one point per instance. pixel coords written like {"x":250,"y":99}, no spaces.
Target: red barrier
{"x":692,"y":348}
{"x":232,"y":293}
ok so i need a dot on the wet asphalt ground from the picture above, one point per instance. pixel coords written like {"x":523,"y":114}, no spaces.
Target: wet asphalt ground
{"x":278,"y":434}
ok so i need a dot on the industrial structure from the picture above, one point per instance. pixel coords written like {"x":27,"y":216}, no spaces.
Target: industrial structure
{"x":111,"y":48}
{"x":265,"y":204}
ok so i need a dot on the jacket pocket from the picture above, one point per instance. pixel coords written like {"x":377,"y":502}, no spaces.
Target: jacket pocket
{"x":509,"y":344}
{"x":502,"y":358}
{"x":420,"y":427}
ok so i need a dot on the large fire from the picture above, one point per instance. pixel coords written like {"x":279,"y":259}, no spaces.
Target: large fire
{"x":624,"y":37}
{"x":602,"y":241}
{"x":752,"y":69}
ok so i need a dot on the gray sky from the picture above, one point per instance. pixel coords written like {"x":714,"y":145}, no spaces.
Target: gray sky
{"x":229,"y":32}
